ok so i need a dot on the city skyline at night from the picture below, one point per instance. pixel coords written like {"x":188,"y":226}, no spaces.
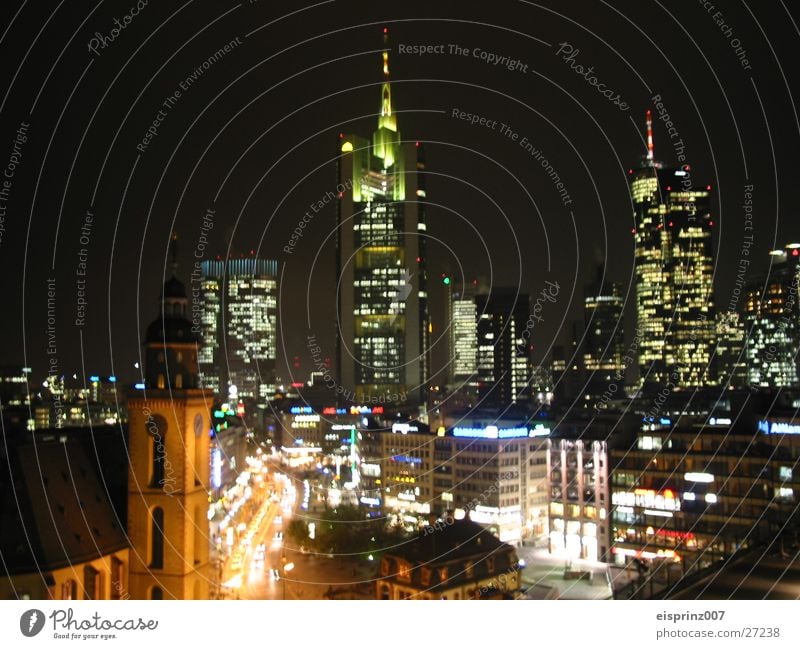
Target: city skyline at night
{"x":372,"y":301}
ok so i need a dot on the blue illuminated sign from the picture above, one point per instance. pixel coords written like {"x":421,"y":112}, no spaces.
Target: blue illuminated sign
{"x":778,"y":428}
{"x":301,"y":410}
{"x":407,"y":459}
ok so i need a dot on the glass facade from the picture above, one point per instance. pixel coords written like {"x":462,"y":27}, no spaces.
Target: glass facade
{"x":691,"y":334}
{"x":604,"y":339}
{"x":731,"y":363}
{"x":503,"y":358}
{"x":383,"y":323}
{"x":771,"y":318}
{"x":463,"y":339}
{"x":239,"y":326}
{"x":676,"y":315}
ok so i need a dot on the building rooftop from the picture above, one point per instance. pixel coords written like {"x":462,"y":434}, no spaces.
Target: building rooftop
{"x":449,"y":554}
{"x":58,"y":506}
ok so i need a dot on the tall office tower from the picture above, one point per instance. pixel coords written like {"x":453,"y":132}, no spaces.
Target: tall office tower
{"x":383,"y":323}
{"x":604,"y":337}
{"x":673,"y":255}
{"x":503,"y":347}
{"x":463,"y":337}
{"x":691,"y":338}
{"x":771,"y":320}
{"x":208,"y":312}
{"x":239,"y":326}
{"x":730,"y":355}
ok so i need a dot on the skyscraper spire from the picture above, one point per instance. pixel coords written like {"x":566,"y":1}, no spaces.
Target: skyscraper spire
{"x":650,"y":148}
{"x":173,"y":251}
{"x":386,"y":119}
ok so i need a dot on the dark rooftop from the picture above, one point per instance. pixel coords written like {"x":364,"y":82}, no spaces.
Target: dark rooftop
{"x":57,"y":504}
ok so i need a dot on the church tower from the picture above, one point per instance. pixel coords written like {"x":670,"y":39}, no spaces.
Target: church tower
{"x":168,"y":471}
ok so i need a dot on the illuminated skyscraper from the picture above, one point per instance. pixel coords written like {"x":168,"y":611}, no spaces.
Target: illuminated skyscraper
{"x":239,"y":326}
{"x":382,"y":322}
{"x":503,"y":349}
{"x":206,"y":317}
{"x":604,"y":339}
{"x":731,"y":359}
{"x":674,"y":293}
{"x":691,"y":335}
{"x":463,"y":334}
{"x":771,"y":320}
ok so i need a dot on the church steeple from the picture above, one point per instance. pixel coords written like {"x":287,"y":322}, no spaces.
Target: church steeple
{"x":173,"y":251}
{"x":171,"y":340}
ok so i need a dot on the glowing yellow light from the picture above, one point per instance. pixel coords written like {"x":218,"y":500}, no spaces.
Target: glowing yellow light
{"x":347,"y":147}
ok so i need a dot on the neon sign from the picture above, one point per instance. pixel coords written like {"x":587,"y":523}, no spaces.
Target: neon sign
{"x":778,"y":428}
{"x":301,"y":410}
{"x":334,"y":411}
{"x":698,"y":477}
{"x":407,"y":459}
{"x":404,"y":428}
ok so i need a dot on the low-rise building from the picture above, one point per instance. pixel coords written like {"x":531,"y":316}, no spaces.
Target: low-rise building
{"x":493,"y":467}
{"x":63,"y":511}
{"x":450,"y":559}
{"x":579,"y":486}
{"x":696,"y":491}
{"x":406,"y":468}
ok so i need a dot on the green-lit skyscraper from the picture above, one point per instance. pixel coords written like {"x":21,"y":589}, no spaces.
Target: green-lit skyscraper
{"x":382,"y":319}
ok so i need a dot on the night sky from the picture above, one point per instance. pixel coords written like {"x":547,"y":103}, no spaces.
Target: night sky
{"x":254,"y":136}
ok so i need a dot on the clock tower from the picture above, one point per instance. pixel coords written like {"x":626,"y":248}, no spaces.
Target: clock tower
{"x":168,"y":470}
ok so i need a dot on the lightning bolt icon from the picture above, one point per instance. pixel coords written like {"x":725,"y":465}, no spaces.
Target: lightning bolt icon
{"x":32,"y":621}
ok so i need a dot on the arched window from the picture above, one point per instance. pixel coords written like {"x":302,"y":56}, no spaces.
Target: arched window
{"x":160,"y":382}
{"x":157,"y":540}
{"x":156,"y":593}
{"x":200,"y":537}
{"x":179,"y":381}
{"x":157,"y":454}
{"x":92,"y":583}
{"x":385,"y":593}
{"x":69,"y":589}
